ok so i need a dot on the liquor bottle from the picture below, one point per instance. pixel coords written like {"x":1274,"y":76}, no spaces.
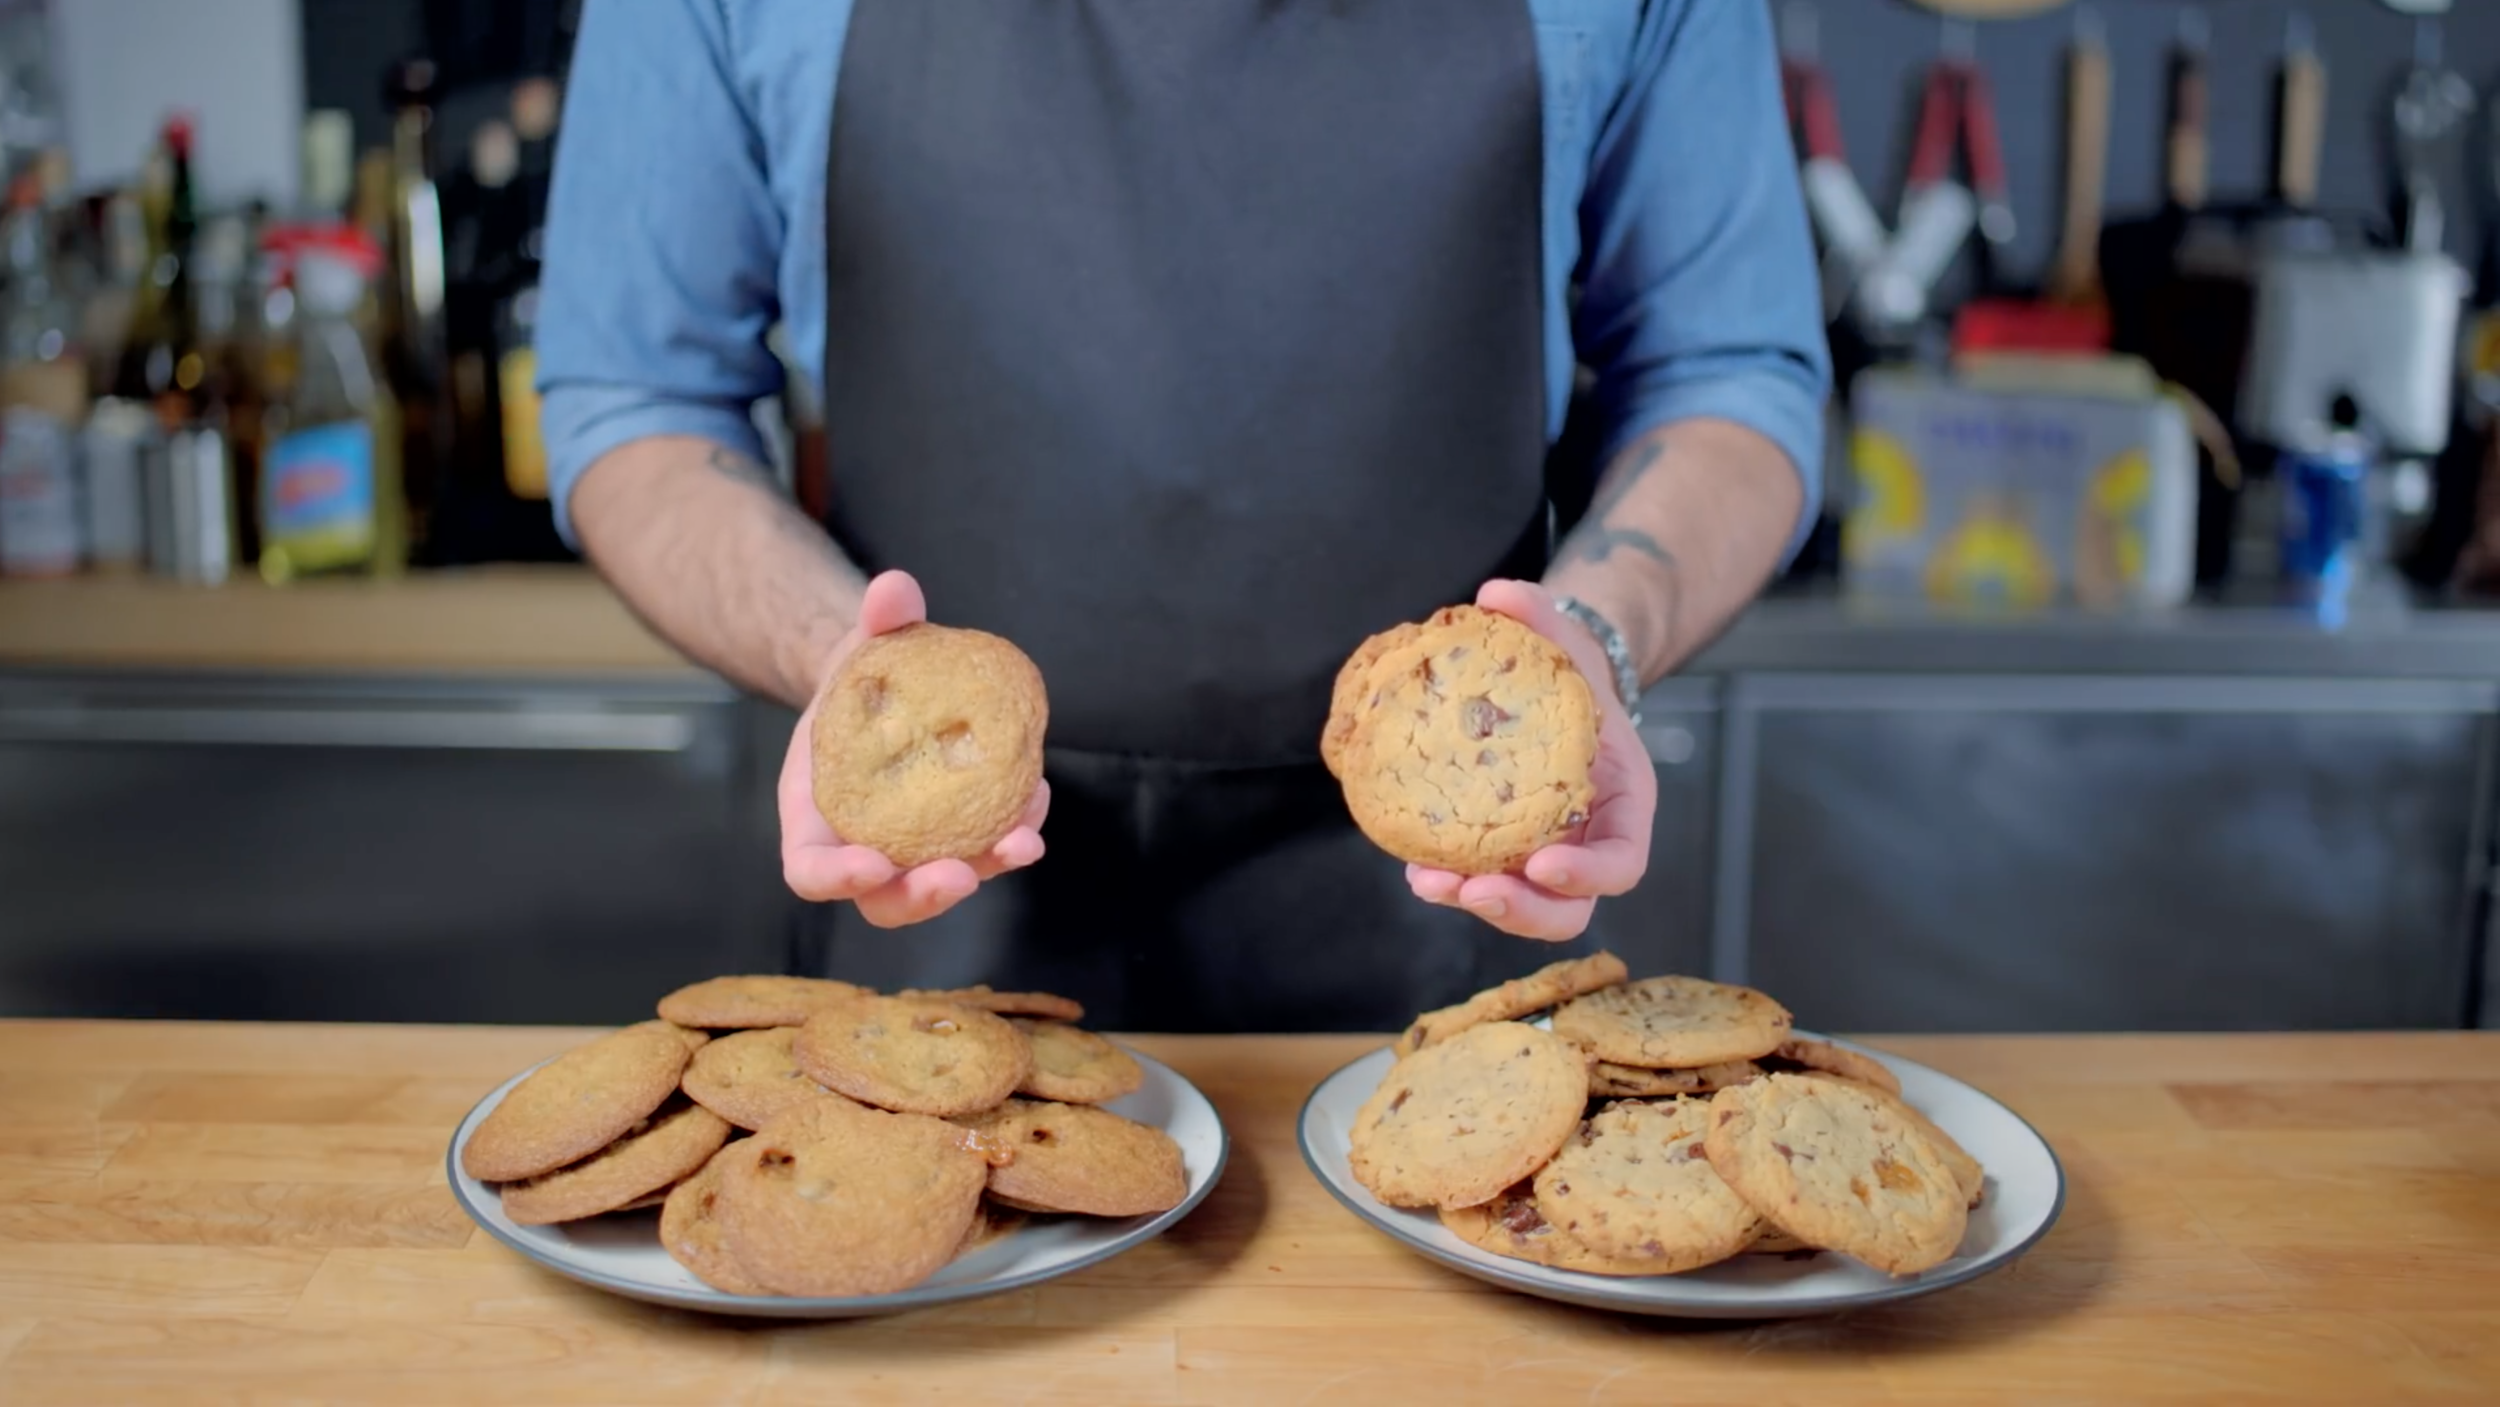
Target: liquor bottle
{"x":187,"y":485}
{"x":331,"y":496}
{"x":415,"y":358}
{"x":43,"y":397}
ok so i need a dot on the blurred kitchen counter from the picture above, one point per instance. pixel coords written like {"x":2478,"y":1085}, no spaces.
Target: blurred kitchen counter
{"x":487,"y":620}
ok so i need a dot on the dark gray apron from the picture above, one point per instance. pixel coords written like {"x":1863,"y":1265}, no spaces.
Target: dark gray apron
{"x":1186,"y":345}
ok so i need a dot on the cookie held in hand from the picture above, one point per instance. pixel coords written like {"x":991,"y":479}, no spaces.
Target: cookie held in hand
{"x":927,"y":743}
{"x":1468,"y":744}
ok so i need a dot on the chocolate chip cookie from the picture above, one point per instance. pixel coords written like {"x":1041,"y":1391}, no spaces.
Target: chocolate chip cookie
{"x":1799,"y":1054}
{"x":746,"y":1003}
{"x":1471,"y":748}
{"x":577,"y":1103}
{"x":678,"y":1139}
{"x":1521,"y":996}
{"x":1609,"y":1080}
{"x":1836,"y":1165}
{"x":1049,"y":1006}
{"x":1674,"y":1023}
{"x":690,"y":1225}
{"x":1075,"y":1066}
{"x":1511,"y":1225}
{"x":1634,"y":1184}
{"x":1353,"y":677}
{"x":1075,"y":1158}
{"x":841,"y":1200}
{"x":927,"y":743}
{"x":914,"y":1054}
{"x":751,"y":1076}
{"x":1455,"y":1123}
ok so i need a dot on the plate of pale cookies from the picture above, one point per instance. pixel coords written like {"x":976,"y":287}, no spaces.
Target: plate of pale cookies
{"x":1673,"y":1146}
{"x":797,"y":1147}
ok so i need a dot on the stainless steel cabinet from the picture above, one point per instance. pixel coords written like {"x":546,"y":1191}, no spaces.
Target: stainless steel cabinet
{"x":2041,"y":853}
{"x":550,"y":851}
{"x":1664,"y":925}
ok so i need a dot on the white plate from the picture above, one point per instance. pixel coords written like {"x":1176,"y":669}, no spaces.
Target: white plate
{"x":2026,"y":1190}
{"x":621,"y":1252}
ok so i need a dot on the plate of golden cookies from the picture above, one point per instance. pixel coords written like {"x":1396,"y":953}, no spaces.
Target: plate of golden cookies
{"x":1673,"y":1146}
{"x":802,"y":1148}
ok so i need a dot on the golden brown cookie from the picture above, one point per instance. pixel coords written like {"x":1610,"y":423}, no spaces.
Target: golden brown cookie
{"x":1612,"y":1081}
{"x":748,"y":1077}
{"x":746,"y":1003}
{"x":695,"y":1040}
{"x":914,"y":1054}
{"x":1835,"y":1165}
{"x":1353,"y":679}
{"x":1775,"y":1242}
{"x":1798,"y":1053}
{"x":1047,"y":1006}
{"x":576,"y":1104}
{"x":841,"y":1200}
{"x":1673,"y":1023}
{"x":1633,"y":1184}
{"x":1511,"y":1225}
{"x":1520,"y":996}
{"x":1455,"y":1123}
{"x":678,"y":1139}
{"x":1076,"y":1158}
{"x":1471,"y":750}
{"x":1075,"y":1066}
{"x":928,"y":743}
{"x":690,"y":1227}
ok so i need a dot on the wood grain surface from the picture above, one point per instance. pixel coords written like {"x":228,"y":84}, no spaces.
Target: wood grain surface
{"x":490,"y":620}
{"x":240,"y":1213}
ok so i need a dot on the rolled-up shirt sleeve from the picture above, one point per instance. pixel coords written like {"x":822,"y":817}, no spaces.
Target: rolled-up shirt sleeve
{"x":662,"y":241}
{"x":1699,"y":288}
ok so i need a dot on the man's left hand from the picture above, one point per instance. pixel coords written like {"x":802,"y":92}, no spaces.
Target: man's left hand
{"x":1562,"y":883}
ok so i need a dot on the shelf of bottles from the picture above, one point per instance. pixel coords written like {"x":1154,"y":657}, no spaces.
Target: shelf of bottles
{"x":342,"y":387}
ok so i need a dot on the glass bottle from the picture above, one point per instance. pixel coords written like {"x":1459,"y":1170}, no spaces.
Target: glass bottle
{"x":43,"y":397}
{"x":331,"y":499}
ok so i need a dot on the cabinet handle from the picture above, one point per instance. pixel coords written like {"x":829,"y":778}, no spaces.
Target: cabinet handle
{"x":523,"y":730}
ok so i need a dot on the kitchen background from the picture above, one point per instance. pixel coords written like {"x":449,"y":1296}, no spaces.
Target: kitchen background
{"x":2142,"y":675}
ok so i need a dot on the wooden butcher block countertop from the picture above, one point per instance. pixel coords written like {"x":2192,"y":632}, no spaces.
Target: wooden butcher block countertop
{"x":248,"y":1213}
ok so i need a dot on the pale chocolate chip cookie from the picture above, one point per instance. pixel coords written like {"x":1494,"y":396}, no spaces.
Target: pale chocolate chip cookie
{"x":1836,"y":1165}
{"x":841,"y":1200}
{"x":1612,"y":1081}
{"x":577,"y":1103}
{"x":928,"y":743}
{"x":1635,"y":1185}
{"x":1455,"y":1123}
{"x":914,"y":1054}
{"x":1511,"y":1225}
{"x":1048,"y":1006}
{"x":1075,"y":1158}
{"x":1521,"y":996}
{"x":1798,"y":1053}
{"x":1075,"y":1066}
{"x":664,"y":1148}
{"x":690,"y":1226}
{"x":1665,"y":1023}
{"x":746,"y":1003}
{"x":751,"y":1076}
{"x":1353,"y":679}
{"x":1472,"y":747}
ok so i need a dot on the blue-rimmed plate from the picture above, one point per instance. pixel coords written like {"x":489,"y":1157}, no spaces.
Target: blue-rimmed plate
{"x":621,"y":1252}
{"x":2026,"y":1190}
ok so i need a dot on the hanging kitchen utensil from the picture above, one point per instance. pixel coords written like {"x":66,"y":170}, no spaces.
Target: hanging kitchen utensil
{"x":2430,"y":112}
{"x":2300,"y":115}
{"x":1853,"y":234}
{"x":2186,"y":155}
{"x":2076,"y":276}
{"x":1938,"y":212}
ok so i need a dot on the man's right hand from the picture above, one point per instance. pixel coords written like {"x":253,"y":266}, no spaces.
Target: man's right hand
{"x":815,"y":862}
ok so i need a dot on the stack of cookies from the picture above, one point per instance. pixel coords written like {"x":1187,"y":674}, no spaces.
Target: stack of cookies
{"x":1659,"y":1126}
{"x":809,"y":1137}
{"x":1463,"y":742}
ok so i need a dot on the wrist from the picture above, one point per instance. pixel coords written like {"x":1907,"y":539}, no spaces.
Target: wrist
{"x":1623,"y":673}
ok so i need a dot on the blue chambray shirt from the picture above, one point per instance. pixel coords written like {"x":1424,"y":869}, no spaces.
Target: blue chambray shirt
{"x":688,"y":216}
